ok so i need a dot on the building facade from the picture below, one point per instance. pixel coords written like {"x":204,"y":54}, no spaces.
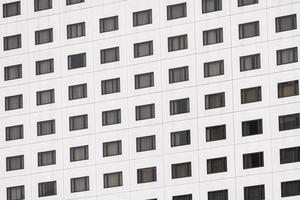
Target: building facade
{"x":149,"y":100}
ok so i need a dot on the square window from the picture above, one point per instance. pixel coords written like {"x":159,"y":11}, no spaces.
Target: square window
{"x":213,"y":36}
{"x":179,"y":106}
{"x":47,"y":189}
{"x":216,"y":165}
{"x":181,"y":170}
{"x":46,"y":127}
{"x":71,"y":2}
{"x":250,"y":95}
{"x":76,"y":30}
{"x":256,"y":192}
{"x":80,"y":184}
{"x":79,"y":153}
{"x":253,"y":160}
{"x":145,"y":112}
{"x":109,"y":55}
{"x":211,"y":6}
{"x":12,"y":72}
{"x":290,"y":188}
{"x":146,"y":143}
{"x":15,"y":192}
{"x":248,"y":30}
{"x":215,"y":133}
{"x":144,"y":80}
{"x":289,"y":122}
{"x":46,"y":158}
{"x":183,"y":197}
{"x":180,"y":138}
{"x":77,"y":91}
{"x":252,"y":127}
{"x":45,"y":97}
{"x":44,"y":66}
{"x":77,"y":61}
{"x":218,"y":195}
{"x":11,"y":9}
{"x":15,"y":163}
{"x":14,"y":132}
{"x":113,"y":179}
{"x":246,"y":2}
{"x":109,"y":24}
{"x":78,"y":122}
{"x":42,"y":5}
{"x":249,"y":62}
{"x":286,"y":23}
{"x":14,"y":102}
{"x":110,"y":86}
{"x":143,"y":17}
{"x":177,"y":43}
{"x":290,"y":155}
{"x":12,"y":42}
{"x":44,"y":36}
{"x":287,"y":56}
{"x":178,"y":74}
{"x":288,"y":89}
{"x":143,"y":49}
{"x":216,"y":100}
{"x":146,"y":175}
{"x":111,"y":117}
{"x":176,"y":11}
{"x":214,"y":68}
{"x":112,"y":148}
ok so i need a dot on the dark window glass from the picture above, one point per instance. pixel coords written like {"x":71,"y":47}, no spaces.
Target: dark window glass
{"x":46,"y":127}
{"x":246,"y":2}
{"x":45,"y":97}
{"x":250,"y":95}
{"x":179,"y":106}
{"x":14,"y":132}
{"x":78,"y":122}
{"x":77,"y":61}
{"x":218,"y":195}
{"x":109,"y":55}
{"x":15,"y":192}
{"x":180,"y":138}
{"x":43,"y":36}
{"x":286,"y":56}
{"x":211,"y":5}
{"x":109,"y":24}
{"x":42,"y":5}
{"x":12,"y":72}
{"x":176,"y":11}
{"x":178,"y":74}
{"x":113,"y":179}
{"x":143,"y":49}
{"x":290,"y":188}
{"x":217,"y":165}
{"x":110,"y":86}
{"x":248,"y":30}
{"x":142,"y":17}
{"x":146,"y":175}
{"x":176,"y":43}
{"x":47,"y":189}
{"x":14,"y":102}
{"x":252,"y":127}
{"x":76,"y":30}
{"x":249,"y":62}
{"x":145,"y":112}
{"x":112,"y":148}
{"x":183,"y":197}
{"x":181,"y":170}
{"x":253,"y":160}
{"x":289,"y":122}
{"x":14,"y":163}
{"x":288,"y":89}
{"x":215,"y":133}
{"x":111,"y":117}
{"x":290,"y":155}
{"x":213,"y":36}
{"x":77,"y":91}
{"x":70,"y":2}
{"x":146,"y":143}
{"x":44,"y":66}
{"x":46,"y":158}
{"x":12,"y":42}
{"x":216,"y":100}
{"x":286,"y":23}
{"x":214,"y":68}
{"x":256,"y":192}
{"x":80,"y":184}
{"x":144,"y":80}
{"x":79,"y":153}
{"x":11,"y":9}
